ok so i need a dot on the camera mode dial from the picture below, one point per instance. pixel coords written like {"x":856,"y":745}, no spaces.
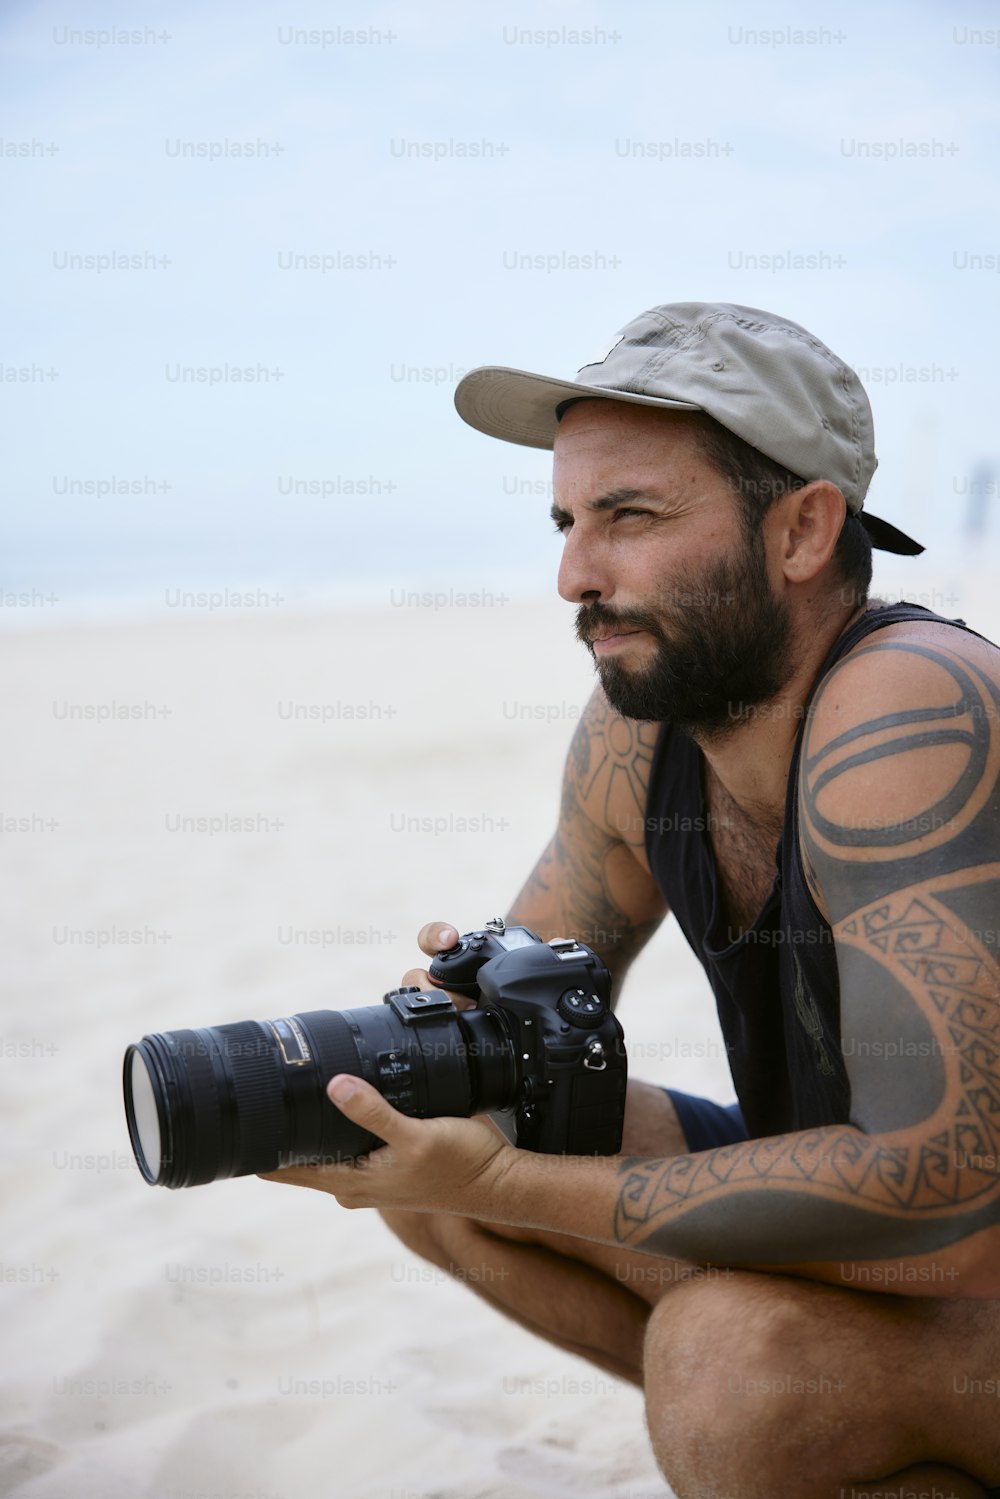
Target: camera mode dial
{"x":457,"y":967}
{"x":580,"y":1008}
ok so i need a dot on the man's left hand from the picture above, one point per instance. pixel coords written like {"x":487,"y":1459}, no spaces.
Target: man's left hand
{"x":426,"y":1165}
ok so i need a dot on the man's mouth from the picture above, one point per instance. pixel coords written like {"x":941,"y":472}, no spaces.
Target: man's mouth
{"x":609,"y":640}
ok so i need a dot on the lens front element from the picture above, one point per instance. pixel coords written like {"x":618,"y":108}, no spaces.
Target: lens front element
{"x":144,"y":1119}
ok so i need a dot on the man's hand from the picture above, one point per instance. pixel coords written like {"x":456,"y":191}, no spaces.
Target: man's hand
{"x":426,"y":1165}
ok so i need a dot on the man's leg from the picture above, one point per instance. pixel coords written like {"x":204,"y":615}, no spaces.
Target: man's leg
{"x":765,"y":1385}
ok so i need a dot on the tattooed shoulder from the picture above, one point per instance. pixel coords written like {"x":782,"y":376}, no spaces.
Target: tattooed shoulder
{"x":900,"y":767}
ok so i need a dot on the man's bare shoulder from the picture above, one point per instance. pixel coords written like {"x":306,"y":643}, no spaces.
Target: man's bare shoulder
{"x":937,"y":682}
{"x":901,"y":755}
{"x":920,"y":635}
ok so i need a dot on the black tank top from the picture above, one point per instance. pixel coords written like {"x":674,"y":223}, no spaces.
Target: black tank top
{"x":776,"y":985}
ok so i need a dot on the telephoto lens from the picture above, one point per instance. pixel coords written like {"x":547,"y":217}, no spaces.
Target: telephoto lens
{"x":232,"y":1100}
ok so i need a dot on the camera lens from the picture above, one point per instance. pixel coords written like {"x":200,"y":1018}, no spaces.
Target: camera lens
{"x":229,"y":1100}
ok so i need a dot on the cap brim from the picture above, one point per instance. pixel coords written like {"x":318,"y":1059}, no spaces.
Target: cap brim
{"x":520,"y":407}
{"x":887,"y":537}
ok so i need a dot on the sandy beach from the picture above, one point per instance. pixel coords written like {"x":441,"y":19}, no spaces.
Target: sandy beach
{"x":213,"y":816}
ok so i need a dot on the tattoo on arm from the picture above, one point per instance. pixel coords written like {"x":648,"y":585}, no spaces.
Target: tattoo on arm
{"x":590,"y":863}
{"x":899,"y":817}
{"x":604,"y":807}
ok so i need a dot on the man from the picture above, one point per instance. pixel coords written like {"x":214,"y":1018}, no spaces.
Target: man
{"x":807,"y":1287}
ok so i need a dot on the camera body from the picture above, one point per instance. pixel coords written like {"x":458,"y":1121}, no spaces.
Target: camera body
{"x":555,"y":1001}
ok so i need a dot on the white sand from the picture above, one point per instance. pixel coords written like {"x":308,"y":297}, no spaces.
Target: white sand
{"x":161,"y":1343}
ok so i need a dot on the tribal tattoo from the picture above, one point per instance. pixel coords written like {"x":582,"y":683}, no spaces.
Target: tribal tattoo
{"x":591,"y":862}
{"x":610,"y":758}
{"x":899,"y":827}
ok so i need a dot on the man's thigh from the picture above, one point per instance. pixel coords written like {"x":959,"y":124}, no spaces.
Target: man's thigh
{"x":783,"y":1368}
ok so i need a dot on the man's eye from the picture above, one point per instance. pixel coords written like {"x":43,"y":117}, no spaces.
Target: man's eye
{"x":562,"y":526}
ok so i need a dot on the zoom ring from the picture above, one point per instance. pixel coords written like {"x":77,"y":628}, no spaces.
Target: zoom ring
{"x":261,"y":1122}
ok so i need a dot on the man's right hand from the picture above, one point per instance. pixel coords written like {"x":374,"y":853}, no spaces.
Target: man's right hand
{"x":435,"y":937}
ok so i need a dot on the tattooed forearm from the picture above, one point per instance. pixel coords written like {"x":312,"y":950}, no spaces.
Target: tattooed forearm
{"x":764,"y":1217}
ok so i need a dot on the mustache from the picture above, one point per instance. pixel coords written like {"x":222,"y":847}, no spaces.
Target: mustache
{"x":597,"y":618}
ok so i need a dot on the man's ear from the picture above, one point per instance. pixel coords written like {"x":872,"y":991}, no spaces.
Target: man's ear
{"x":810,"y":520}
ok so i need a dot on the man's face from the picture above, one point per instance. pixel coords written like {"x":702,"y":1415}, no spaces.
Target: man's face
{"x":676,"y":605}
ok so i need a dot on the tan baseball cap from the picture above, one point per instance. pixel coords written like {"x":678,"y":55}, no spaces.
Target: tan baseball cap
{"x":764,"y":377}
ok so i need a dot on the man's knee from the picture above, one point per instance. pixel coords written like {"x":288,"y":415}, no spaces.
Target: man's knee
{"x":694,"y":1338}
{"x":727,"y":1358}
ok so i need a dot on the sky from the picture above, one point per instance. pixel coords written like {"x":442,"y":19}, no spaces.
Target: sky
{"x":250,"y":248}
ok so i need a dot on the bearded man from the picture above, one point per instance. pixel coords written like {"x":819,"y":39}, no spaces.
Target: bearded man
{"x":806,"y":1284}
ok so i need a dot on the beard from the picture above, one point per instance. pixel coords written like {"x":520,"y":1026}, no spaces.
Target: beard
{"x":721,"y":648}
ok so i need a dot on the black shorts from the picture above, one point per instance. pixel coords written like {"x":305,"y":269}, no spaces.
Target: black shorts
{"x":707,"y":1124}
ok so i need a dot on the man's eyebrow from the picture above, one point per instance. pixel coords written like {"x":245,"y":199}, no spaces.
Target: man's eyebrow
{"x":607,"y":501}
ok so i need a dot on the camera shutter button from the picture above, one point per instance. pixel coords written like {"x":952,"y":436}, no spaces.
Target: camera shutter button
{"x":452,"y":952}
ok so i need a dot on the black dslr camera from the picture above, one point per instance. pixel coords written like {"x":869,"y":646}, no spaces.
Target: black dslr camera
{"x":542,"y":1054}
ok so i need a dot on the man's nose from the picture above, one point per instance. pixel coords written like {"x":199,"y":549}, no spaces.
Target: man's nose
{"x":583,"y":577}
